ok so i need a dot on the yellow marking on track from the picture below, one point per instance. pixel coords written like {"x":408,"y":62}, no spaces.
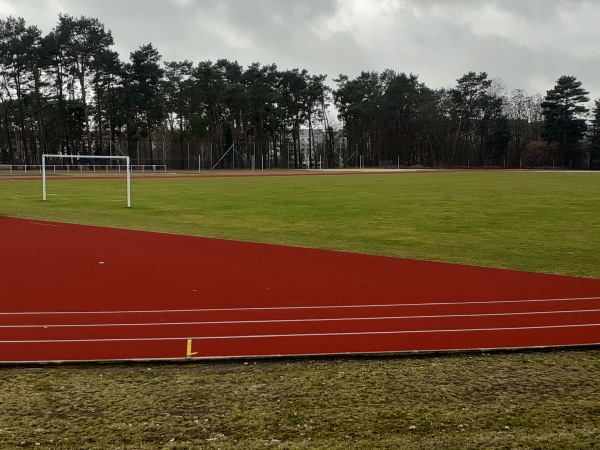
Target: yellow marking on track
{"x":189,"y":353}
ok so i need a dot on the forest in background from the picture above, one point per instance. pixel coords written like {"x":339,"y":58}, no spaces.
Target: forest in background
{"x":69,"y":92}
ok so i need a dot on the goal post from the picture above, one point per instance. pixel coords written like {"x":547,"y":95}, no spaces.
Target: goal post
{"x":126,"y":158}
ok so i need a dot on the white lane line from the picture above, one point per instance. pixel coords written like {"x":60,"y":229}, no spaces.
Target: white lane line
{"x":307,"y":320}
{"x":292,"y":308}
{"x":45,"y":224}
{"x":258,"y":336}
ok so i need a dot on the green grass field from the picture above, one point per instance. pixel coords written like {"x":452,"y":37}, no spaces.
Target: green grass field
{"x":548,"y":222}
{"x":543,"y":222}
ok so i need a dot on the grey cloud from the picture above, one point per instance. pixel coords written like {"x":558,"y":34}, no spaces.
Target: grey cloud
{"x":534,"y":43}
{"x":269,"y":31}
{"x":535,"y":10}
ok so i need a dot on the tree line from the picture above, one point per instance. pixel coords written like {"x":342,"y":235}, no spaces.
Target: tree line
{"x":68,"y":92}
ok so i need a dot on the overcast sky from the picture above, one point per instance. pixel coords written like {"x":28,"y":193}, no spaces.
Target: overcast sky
{"x":528,"y":44}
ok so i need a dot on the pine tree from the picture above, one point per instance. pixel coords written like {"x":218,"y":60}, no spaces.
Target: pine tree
{"x":594,"y":136}
{"x":563,"y":122}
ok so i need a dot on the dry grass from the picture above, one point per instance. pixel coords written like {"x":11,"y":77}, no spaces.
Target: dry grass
{"x":539,"y":400}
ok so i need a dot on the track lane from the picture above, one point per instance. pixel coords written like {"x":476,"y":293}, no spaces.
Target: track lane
{"x":300,"y":313}
{"x":106,"y":294}
{"x":279,"y":345}
{"x":295,"y":327}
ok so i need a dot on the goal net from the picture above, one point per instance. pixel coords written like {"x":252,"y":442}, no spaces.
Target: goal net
{"x":91,"y":157}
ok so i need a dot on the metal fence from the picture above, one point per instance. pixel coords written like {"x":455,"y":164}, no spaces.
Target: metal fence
{"x":81,"y":168}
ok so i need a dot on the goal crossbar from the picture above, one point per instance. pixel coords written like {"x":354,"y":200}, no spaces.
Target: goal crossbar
{"x":126,"y":158}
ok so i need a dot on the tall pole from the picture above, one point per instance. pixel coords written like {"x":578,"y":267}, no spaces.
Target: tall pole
{"x":128,"y":183}
{"x":44,"y":176}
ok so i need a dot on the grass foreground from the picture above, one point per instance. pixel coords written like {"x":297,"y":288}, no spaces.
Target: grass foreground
{"x":513,"y":400}
{"x":534,"y":400}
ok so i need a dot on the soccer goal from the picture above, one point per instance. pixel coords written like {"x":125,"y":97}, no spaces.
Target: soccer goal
{"x":126,"y":158}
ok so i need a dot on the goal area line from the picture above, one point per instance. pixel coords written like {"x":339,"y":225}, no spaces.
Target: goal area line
{"x":126,"y":158}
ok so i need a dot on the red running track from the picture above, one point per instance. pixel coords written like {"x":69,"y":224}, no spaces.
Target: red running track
{"x":81,"y":293}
